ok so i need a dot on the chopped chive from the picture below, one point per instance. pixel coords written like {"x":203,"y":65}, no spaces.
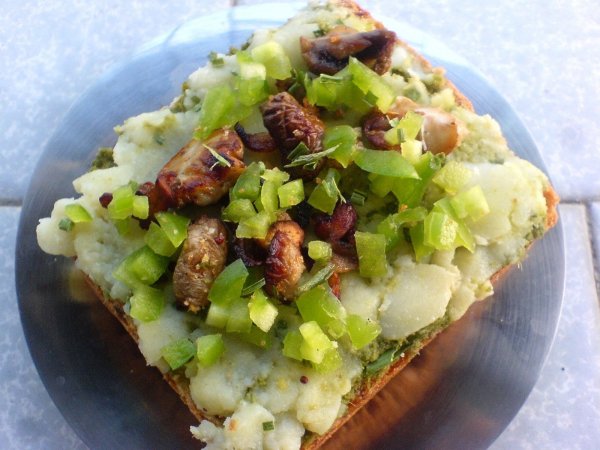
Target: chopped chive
{"x":268,"y":426}
{"x":319,"y":277}
{"x":66,"y":224}
{"x":215,"y":59}
{"x":252,"y":287}
{"x":221,"y":161}
{"x":308,"y":160}
{"x":358,"y":197}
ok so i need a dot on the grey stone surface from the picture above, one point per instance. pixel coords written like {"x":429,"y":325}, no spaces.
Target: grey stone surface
{"x":563,"y":410}
{"x":51,"y":51}
{"x":28,"y":418}
{"x":594,"y":220}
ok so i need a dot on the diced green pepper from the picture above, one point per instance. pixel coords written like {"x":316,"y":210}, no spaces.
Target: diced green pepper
{"x":326,"y":194}
{"x":177,"y":353}
{"x":464,"y":237}
{"x":276,"y":176}
{"x":321,"y":306}
{"x":256,"y":226}
{"x":388,"y":163}
{"x":409,"y":191}
{"x":406,"y":129}
{"x":471,"y":203}
{"x":411,"y":150}
{"x":361,"y":331}
{"x":331,"y":361}
{"x":268,"y":196}
{"x":368,"y":81}
{"x":147,"y":303}
{"x":248,"y":184}
{"x":371,"y":254}
{"x":252,"y":91}
{"x":123,"y":226}
{"x":344,"y":137}
{"x":417,"y":237}
{"x":77,"y":213}
{"x":381,"y":185}
{"x":291,"y":193}
{"x":315,"y":343}
{"x":174,"y":225}
{"x":219,"y":103}
{"x":272,"y":55}
{"x":256,"y":337}
{"x":324,"y":91}
{"x":142,"y":266}
{"x":239,"y":316}
{"x":439,"y":231}
{"x":262,"y":312}
{"x":452,"y":176}
{"x":121,"y":205}
{"x":209,"y":349}
{"x":238,"y":210}
{"x":220,"y":108}
{"x":391,"y":226}
{"x":158,"y":241}
{"x":218,"y":315}
{"x":291,"y":345}
{"x":229,"y":284}
{"x":319,"y":250}
{"x":141,"y":207}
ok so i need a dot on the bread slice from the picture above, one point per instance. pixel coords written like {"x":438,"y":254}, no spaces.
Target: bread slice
{"x":369,"y":386}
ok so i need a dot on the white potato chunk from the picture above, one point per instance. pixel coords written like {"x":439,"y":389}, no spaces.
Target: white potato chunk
{"x":359,"y":296}
{"x":169,"y":327}
{"x":416,"y":296}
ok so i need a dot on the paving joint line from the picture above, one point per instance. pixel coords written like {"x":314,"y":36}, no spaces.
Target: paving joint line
{"x":594,"y":246}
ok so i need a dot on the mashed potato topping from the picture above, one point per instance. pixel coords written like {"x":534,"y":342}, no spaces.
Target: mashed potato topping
{"x":268,"y":399}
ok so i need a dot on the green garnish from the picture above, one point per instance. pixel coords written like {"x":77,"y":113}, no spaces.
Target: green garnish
{"x":209,"y":349}
{"x":268,"y":426}
{"x":371,"y":254}
{"x":301,"y":156}
{"x":221,"y":161}
{"x":177,"y":353}
{"x":215,"y":59}
{"x":321,"y":276}
{"x":66,"y":224}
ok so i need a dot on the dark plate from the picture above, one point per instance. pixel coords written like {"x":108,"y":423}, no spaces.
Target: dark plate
{"x":460,"y":393}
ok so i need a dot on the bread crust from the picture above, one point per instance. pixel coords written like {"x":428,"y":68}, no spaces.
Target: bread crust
{"x":369,"y":386}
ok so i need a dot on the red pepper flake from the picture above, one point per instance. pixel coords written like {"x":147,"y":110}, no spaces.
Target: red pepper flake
{"x":219,"y":239}
{"x":303,"y":379}
{"x":105,"y":199}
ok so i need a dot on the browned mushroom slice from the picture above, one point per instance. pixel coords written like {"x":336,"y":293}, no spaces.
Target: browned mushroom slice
{"x":338,"y":229}
{"x":284,"y":264}
{"x":203,"y":171}
{"x":330,"y":54}
{"x":251,"y":252}
{"x":201,"y":260}
{"x":374,"y":126}
{"x":289,"y":123}
{"x":337,"y":226}
{"x":257,"y":142}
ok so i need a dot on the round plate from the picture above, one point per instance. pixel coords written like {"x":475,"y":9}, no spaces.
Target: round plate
{"x":460,"y":393}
